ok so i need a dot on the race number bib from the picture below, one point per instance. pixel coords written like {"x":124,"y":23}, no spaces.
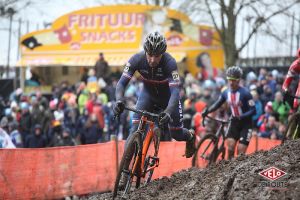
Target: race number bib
{"x":175,"y":75}
{"x":127,"y":67}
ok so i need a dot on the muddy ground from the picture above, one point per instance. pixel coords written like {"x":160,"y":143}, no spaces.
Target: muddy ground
{"x":236,"y":179}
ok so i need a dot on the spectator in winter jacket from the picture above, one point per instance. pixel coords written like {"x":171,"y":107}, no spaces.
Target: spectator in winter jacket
{"x":54,"y":134}
{"x":25,"y":121}
{"x":92,"y":133}
{"x":264,"y":118}
{"x":36,"y":139}
{"x":280,"y":107}
{"x":258,"y":107}
{"x":271,"y":129}
{"x":65,"y":139}
{"x":5,"y":141}
{"x":82,"y":99}
{"x":14,"y":134}
{"x":80,"y":124}
{"x":37,"y":112}
{"x":102,"y":68}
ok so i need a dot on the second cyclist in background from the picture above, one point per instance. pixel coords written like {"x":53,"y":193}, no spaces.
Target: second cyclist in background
{"x":242,"y":108}
{"x":294,"y":71}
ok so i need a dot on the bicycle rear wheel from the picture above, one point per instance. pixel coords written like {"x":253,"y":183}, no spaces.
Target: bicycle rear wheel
{"x":151,"y":158}
{"x":128,"y":166}
{"x":205,"y":151}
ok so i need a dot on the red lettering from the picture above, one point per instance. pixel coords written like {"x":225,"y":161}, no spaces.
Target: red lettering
{"x":83,"y":21}
{"x":139,"y":19}
{"x":127,"y":19}
{"x":131,"y":36}
{"x":114,"y":36}
{"x":73,"y":19}
{"x":101,"y":20}
{"x":113,"y":20}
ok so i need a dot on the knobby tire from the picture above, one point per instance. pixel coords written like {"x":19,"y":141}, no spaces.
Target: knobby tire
{"x":128,"y":160}
{"x":207,"y":144}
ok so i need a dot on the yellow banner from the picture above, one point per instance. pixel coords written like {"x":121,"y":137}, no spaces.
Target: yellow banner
{"x":120,"y":28}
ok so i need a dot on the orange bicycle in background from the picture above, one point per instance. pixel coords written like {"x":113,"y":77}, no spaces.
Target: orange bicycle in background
{"x":140,"y":155}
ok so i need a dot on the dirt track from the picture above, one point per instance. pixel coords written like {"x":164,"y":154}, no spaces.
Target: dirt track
{"x":238,"y":179}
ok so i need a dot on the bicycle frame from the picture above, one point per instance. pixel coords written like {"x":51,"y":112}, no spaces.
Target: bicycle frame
{"x":220,"y":131}
{"x":145,"y":145}
{"x":144,"y":121}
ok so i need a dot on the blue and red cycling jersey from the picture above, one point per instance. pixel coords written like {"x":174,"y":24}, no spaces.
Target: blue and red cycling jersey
{"x":161,"y":82}
{"x":241,"y":102}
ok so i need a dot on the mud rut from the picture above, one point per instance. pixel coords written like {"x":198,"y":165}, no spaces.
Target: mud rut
{"x":238,"y":179}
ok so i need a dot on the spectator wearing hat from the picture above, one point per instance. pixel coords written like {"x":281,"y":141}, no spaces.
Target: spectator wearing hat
{"x":102,"y":68}
{"x":92,"y":132}
{"x":267,"y":95}
{"x":5,"y":141}
{"x":258,"y":107}
{"x":14,"y":134}
{"x":82,"y":100}
{"x":263,"y":119}
{"x":4,"y":124}
{"x":280,"y":107}
{"x":25,"y":121}
{"x":271,"y":128}
{"x":37,"y":111}
{"x":80,"y":124}
{"x":271,"y":82}
{"x":36,"y":139}
{"x":65,"y":139}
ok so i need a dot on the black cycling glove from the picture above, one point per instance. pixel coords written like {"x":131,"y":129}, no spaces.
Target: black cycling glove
{"x":285,"y":96}
{"x":205,"y":113}
{"x":118,"y":107}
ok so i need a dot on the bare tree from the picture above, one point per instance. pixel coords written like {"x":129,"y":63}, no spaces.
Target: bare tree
{"x":10,"y":7}
{"x":225,"y":14}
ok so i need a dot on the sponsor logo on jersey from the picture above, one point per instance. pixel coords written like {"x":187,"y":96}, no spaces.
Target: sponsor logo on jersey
{"x":251,"y":102}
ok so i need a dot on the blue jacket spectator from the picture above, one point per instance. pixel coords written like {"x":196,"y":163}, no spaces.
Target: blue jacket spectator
{"x":36,"y":139}
{"x":92,"y":133}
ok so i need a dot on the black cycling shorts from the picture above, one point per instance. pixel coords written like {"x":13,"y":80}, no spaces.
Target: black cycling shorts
{"x":241,"y":130}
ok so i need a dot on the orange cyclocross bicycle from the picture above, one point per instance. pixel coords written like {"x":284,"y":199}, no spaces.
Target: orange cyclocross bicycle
{"x":140,"y":155}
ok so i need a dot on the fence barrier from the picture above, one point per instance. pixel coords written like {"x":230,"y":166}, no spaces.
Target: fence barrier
{"x":53,"y":173}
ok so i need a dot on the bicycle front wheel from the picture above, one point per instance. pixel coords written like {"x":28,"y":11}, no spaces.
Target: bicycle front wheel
{"x":128,"y":168}
{"x":293,"y":129}
{"x":205,"y":151}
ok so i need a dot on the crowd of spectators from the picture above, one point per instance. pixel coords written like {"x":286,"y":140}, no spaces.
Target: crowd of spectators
{"x":82,"y":113}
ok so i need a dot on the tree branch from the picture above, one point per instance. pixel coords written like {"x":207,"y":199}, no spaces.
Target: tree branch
{"x":213,"y":18}
{"x":261,"y":20}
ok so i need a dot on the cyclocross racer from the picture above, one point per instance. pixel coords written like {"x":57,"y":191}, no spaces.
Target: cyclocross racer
{"x":242,"y":108}
{"x":294,"y":71}
{"x":159,"y":73}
